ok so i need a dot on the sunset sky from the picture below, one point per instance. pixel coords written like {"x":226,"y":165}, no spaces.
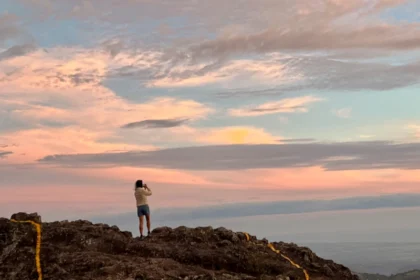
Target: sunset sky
{"x":209,"y":102}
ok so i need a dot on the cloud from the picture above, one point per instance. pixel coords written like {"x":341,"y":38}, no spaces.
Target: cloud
{"x":41,"y":91}
{"x":156,"y":123}
{"x":415,"y":128}
{"x":113,"y":46}
{"x":297,"y":140}
{"x":17,"y":50}
{"x":288,"y":105}
{"x":249,"y":72}
{"x":321,"y":73}
{"x":71,"y":139}
{"x":309,"y":36}
{"x":4,"y":153}
{"x":289,"y":207}
{"x":235,"y":135}
{"x":366,"y":136}
{"x":319,"y":25}
{"x":343,"y":113}
{"x":86,"y":69}
{"x":243,"y":209}
{"x":209,"y":13}
{"x":330,"y":156}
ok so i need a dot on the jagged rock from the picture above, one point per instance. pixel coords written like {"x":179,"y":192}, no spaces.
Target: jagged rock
{"x":21,"y":216}
{"x":83,"y":250}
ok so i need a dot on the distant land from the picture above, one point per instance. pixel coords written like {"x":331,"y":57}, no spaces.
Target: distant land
{"x":393,"y":258}
{"x":409,"y":275}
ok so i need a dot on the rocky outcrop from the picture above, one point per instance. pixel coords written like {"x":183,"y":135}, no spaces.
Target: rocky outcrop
{"x":79,"y":250}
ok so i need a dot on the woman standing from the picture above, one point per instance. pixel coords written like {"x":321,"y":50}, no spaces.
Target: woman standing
{"x":141,"y":193}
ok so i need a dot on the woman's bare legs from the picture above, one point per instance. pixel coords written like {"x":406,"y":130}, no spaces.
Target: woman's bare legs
{"x":141,"y":225}
{"x":148,"y":223}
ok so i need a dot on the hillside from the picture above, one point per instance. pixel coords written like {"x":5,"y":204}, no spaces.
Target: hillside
{"x":83,"y":250}
{"x":409,"y":275}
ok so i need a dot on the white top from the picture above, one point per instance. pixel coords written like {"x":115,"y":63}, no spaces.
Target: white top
{"x":141,"y":195}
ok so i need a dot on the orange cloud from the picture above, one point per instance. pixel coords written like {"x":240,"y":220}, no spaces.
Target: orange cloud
{"x":236,"y":135}
{"x":33,"y":144}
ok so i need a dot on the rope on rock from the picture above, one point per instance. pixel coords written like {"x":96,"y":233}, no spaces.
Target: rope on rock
{"x":271,"y":246}
{"x":38,"y":245}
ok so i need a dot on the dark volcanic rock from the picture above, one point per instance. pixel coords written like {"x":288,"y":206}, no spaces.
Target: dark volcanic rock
{"x":81,"y":250}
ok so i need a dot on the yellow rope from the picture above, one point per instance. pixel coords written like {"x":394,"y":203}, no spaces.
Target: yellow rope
{"x":283,"y":256}
{"x":38,"y":245}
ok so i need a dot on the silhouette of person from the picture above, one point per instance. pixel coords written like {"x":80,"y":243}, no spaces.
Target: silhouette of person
{"x":141,"y":192}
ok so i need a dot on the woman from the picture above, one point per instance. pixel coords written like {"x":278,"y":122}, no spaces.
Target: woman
{"x":141,"y":193}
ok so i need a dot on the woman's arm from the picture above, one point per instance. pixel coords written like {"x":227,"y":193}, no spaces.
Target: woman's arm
{"x":147,"y":190}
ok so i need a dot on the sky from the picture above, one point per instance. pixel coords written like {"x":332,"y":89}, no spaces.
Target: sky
{"x":211,"y":103}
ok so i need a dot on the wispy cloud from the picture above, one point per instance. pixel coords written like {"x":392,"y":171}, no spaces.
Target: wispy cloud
{"x":249,"y":72}
{"x":331,"y":156}
{"x":343,"y":113}
{"x":17,"y":50}
{"x":272,"y":207}
{"x":156,"y":123}
{"x":323,"y":73}
{"x":405,"y":37}
{"x":366,"y":136}
{"x":288,"y":105}
{"x":289,"y":207}
{"x":4,"y":153}
{"x":297,"y":140}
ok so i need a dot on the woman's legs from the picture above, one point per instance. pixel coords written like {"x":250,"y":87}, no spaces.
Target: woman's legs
{"x":148,"y":223}
{"x":141,"y":225}
{"x":143,"y":210}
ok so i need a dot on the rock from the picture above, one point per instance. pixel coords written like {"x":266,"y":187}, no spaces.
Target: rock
{"x":82,"y":250}
{"x":21,"y":216}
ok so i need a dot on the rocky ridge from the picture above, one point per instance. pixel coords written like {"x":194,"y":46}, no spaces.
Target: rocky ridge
{"x":79,"y":250}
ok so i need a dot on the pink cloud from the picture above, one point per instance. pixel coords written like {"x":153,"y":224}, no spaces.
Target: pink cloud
{"x":33,"y":144}
{"x":73,"y":76}
{"x":174,"y":188}
{"x":129,"y":174}
{"x":313,"y":179}
{"x":286,"y":105}
{"x":91,"y":112}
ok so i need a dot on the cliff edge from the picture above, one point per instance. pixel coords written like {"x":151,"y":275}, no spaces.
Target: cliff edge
{"x":79,"y":250}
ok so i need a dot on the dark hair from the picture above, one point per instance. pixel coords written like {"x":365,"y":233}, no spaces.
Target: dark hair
{"x":139,"y":184}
